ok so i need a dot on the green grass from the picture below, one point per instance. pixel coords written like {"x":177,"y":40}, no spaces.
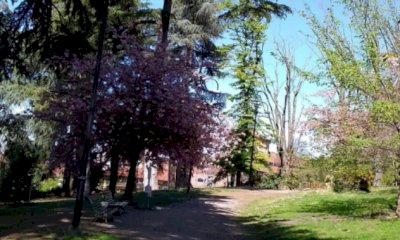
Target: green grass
{"x":77,"y":235}
{"x":325,"y":215}
{"x":91,"y":236}
{"x":36,"y":206}
{"x":159,"y":198}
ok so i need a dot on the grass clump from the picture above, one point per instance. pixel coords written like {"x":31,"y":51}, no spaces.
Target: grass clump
{"x":90,"y":236}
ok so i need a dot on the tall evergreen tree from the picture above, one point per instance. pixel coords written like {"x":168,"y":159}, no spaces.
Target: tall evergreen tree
{"x":247,"y":22}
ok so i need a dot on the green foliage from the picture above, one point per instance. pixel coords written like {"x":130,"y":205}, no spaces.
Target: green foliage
{"x":387,"y":111}
{"x":48,"y":184}
{"x":346,"y":169}
{"x":362,"y":67}
{"x":17,"y":184}
{"x":309,"y":174}
{"x":269,"y":181}
{"x":291,"y":181}
{"x":389,"y":177}
{"x":247,"y":22}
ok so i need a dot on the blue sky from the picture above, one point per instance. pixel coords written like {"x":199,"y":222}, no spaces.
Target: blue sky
{"x":293,"y":30}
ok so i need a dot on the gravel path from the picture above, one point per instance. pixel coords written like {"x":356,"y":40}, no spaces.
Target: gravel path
{"x":211,"y":217}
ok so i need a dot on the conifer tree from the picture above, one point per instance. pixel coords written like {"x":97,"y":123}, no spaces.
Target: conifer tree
{"x":247,"y":23}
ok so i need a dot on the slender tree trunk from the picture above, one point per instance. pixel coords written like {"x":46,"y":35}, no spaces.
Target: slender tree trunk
{"x":89,"y":124}
{"x":238,"y":178}
{"x":179,"y":175}
{"x":284,"y":168}
{"x":171,"y":174}
{"x":378,"y":177}
{"x":165,"y":17}
{"x":113,"y":172}
{"x":251,"y":177}
{"x":131,"y":181}
{"x":232,"y":180}
{"x":86,"y":191}
{"x":66,"y":188}
{"x":189,"y":184}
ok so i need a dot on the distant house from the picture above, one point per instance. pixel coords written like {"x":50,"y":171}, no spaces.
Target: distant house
{"x":159,"y":175}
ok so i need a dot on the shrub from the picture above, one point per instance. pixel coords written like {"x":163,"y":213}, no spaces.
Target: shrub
{"x":291,"y":181}
{"x":48,"y":185}
{"x":269,"y":181}
{"x":17,"y":183}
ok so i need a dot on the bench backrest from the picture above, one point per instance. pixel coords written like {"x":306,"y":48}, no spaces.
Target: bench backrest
{"x":108,"y":196}
{"x":96,"y":203}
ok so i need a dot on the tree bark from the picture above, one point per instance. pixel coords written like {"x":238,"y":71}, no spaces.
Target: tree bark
{"x":66,"y":188}
{"x":131,"y":181}
{"x":180,"y":175}
{"x":86,"y":190}
{"x":232,"y":180}
{"x":165,"y":17}
{"x":89,"y":124}
{"x":238,"y":178}
{"x":171,"y":174}
{"x":113,"y":172}
{"x":378,"y":177}
{"x":189,"y":184}
{"x":284,"y":164}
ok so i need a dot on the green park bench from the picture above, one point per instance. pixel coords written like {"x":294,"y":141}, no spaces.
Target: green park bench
{"x":112,"y":203}
{"x":101,"y":209}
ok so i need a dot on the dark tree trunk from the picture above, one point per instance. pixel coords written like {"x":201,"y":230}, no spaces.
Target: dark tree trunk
{"x":232,"y":182}
{"x":171,"y":174}
{"x":165,"y":17}
{"x":89,"y":124}
{"x":189,"y":184}
{"x":282,"y":158}
{"x":238,"y":178}
{"x":131,"y":181}
{"x":114,"y":172}
{"x":66,"y":188}
{"x":179,"y":175}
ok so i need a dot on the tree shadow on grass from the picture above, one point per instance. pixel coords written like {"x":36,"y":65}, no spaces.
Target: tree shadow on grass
{"x":204,"y":218}
{"x":356,"y":208}
{"x":277,"y":229}
{"x":209,"y":217}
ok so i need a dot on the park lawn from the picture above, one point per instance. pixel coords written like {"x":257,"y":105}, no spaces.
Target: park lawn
{"x":90,"y":236}
{"x":36,"y":206}
{"x":325,"y":215}
{"x":159,"y":198}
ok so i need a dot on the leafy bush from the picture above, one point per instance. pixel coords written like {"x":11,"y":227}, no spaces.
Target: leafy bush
{"x":354,"y":180}
{"x":48,"y":184}
{"x":269,"y":181}
{"x":291,"y":181}
{"x":17,"y":183}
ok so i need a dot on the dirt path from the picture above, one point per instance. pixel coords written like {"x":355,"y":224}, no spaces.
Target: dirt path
{"x":210,"y":217}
